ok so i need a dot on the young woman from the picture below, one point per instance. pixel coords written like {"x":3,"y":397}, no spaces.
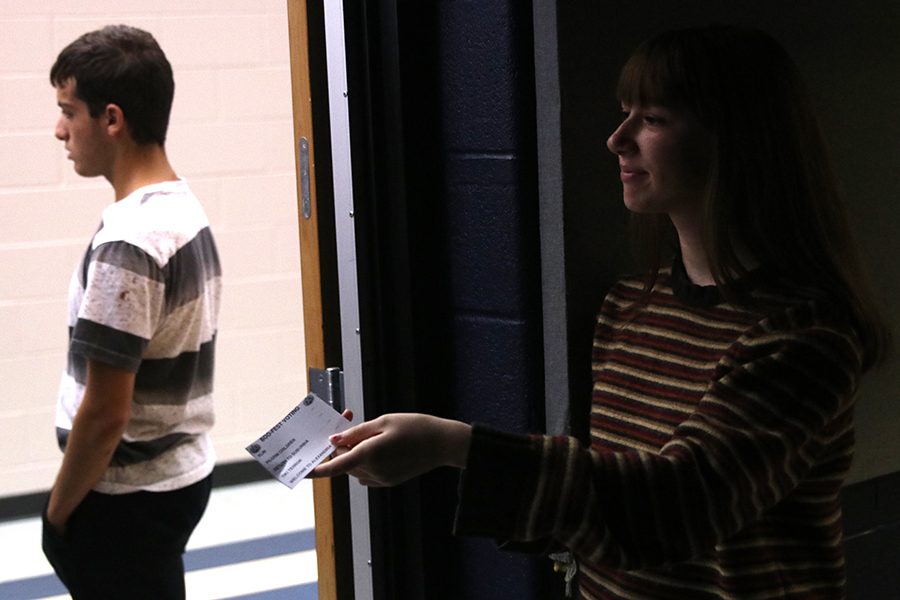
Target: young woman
{"x":724,"y":374}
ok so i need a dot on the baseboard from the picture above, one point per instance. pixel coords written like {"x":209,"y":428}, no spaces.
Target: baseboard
{"x":872,"y":537}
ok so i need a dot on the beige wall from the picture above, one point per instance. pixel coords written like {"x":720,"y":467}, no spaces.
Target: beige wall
{"x":230,"y":137}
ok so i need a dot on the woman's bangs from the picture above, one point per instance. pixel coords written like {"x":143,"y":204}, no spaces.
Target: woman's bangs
{"x":650,"y":80}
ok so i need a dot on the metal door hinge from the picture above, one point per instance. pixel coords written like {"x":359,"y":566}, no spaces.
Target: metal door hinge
{"x":328,"y":384}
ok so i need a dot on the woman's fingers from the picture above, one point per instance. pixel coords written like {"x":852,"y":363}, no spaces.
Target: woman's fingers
{"x":357,"y":434}
{"x":396,"y":447}
{"x":339,"y":464}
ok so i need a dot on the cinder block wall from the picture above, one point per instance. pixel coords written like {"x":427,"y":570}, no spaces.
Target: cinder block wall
{"x":230,"y":137}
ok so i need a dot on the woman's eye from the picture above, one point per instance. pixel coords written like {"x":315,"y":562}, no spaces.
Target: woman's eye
{"x":652,"y":120}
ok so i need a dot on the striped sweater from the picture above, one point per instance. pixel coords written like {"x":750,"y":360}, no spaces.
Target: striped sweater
{"x":720,"y":438}
{"x":145,"y":298}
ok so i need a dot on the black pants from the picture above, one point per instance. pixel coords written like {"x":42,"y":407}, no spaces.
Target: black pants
{"x":127,"y":546}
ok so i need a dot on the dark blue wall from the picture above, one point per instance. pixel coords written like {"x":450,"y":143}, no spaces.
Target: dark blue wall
{"x":490,"y":210}
{"x":471,"y":172}
{"x":487,"y":92}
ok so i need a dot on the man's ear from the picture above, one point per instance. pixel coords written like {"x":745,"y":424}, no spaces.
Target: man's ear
{"x":115,"y":120}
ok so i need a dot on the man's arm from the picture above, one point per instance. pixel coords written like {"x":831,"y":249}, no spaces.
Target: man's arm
{"x":96,"y":431}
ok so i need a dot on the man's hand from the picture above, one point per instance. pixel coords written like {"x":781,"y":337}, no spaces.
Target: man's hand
{"x":96,"y":431}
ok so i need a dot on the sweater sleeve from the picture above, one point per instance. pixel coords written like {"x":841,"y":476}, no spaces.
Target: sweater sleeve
{"x":779,"y":400}
{"x":511,"y":485}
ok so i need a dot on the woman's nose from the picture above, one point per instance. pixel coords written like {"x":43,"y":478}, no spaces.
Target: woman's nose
{"x":619,"y":141}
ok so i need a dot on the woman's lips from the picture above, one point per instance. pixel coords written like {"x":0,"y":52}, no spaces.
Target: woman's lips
{"x":631,"y":175}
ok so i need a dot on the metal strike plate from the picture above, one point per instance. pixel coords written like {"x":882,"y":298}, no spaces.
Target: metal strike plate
{"x":305,"y":201}
{"x":328,"y":384}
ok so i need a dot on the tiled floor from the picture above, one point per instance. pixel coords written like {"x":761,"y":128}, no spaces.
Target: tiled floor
{"x":254,"y":542}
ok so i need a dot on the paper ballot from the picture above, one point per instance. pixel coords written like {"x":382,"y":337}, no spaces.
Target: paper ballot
{"x":296,"y":444}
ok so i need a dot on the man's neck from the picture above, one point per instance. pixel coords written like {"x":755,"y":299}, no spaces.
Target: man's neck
{"x":139,"y":166}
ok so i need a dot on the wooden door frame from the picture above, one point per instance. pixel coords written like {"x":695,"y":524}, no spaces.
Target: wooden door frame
{"x":308,"y":220}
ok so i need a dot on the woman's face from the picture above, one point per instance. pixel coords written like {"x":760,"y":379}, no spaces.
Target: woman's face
{"x":664,"y":157}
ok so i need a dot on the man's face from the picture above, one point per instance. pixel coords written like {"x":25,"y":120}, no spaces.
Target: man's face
{"x":85,"y":136}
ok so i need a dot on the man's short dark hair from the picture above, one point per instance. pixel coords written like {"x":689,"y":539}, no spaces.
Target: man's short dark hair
{"x":124,"y":66}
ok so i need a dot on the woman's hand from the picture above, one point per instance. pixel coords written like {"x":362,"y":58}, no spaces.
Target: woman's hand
{"x":396,"y":447}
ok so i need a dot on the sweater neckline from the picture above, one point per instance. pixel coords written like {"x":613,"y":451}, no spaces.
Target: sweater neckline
{"x":705,"y":296}
{"x":689,"y":292}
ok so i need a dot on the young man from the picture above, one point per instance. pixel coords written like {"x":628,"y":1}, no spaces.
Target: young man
{"x":135,"y":402}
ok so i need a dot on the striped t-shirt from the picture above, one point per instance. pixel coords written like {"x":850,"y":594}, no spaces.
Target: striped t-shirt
{"x":145,"y":298}
{"x":720,"y":438}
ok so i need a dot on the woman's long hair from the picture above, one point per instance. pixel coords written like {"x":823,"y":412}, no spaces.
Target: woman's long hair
{"x":772,"y":193}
